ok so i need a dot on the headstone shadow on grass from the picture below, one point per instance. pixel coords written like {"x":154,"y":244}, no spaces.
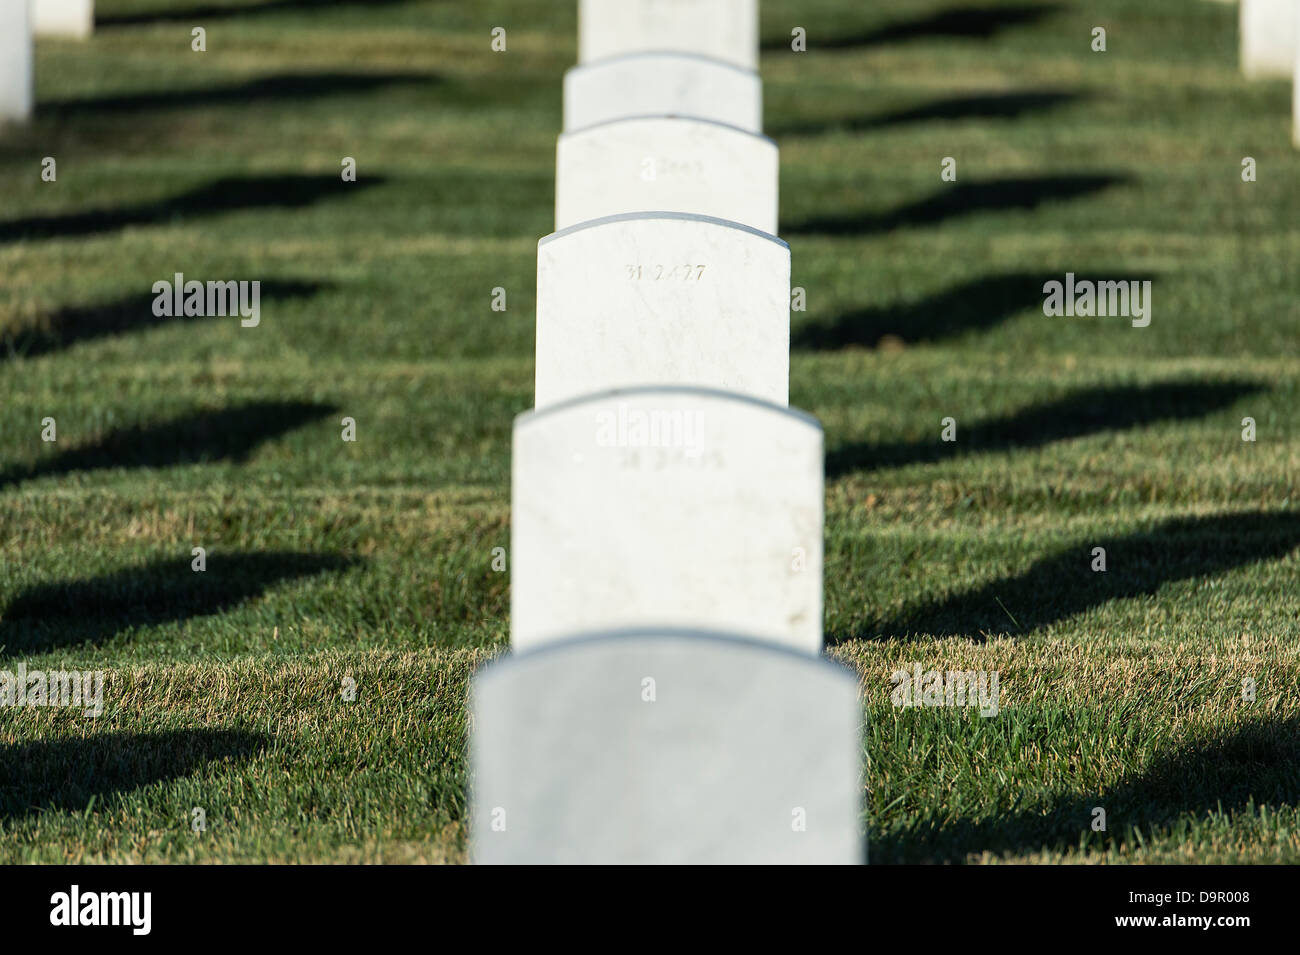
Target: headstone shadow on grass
{"x":65,"y":775}
{"x":963,"y":199}
{"x":1251,"y":766}
{"x":201,"y":437}
{"x":970,"y":23}
{"x":979,"y":106}
{"x":1063,"y":584}
{"x":217,"y":197}
{"x":92,"y":610}
{"x":1078,"y":414}
{"x":978,"y":304}
{"x":206,"y":12}
{"x":284,"y":87}
{"x":72,"y":325}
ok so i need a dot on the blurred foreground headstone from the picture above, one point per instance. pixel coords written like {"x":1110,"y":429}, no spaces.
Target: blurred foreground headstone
{"x":665,"y":748}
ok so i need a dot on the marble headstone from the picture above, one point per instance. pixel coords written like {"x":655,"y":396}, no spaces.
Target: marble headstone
{"x":659,"y":747}
{"x":73,"y":18}
{"x":662,"y":84}
{"x":1268,"y":37}
{"x":1295,"y":93}
{"x":723,"y":29}
{"x":662,"y":298}
{"x":16,"y":81}
{"x":669,"y":164}
{"x":667,"y":507}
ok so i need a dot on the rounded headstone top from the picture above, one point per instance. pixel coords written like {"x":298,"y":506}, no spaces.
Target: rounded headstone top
{"x":647,"y":216}
{"x":651,"y":118}
{"x":661,"y":392}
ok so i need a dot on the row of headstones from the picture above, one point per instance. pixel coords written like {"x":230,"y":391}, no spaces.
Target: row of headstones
{"x":19,"y":21}
{"x":665,"y":700}
{"x":1270,"y":46}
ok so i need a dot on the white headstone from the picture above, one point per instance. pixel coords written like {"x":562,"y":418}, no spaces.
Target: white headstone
{"x":723,"y":29}
{"x":662,"y":84}
{"x":667,"y":507}
{"x":74,"y":18}
{"x":1295,"y":96}
{"x":669,"y":164}
{"x":15,"y":61}
{"x":1268,"y":37}
{"x":662,"y":299}
{"x":666,"y":748}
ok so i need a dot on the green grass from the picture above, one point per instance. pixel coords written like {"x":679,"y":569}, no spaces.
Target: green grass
{"x":372,"y":560}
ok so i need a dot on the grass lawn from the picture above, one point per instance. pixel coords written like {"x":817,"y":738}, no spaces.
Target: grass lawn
{"x":372,"y":560}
